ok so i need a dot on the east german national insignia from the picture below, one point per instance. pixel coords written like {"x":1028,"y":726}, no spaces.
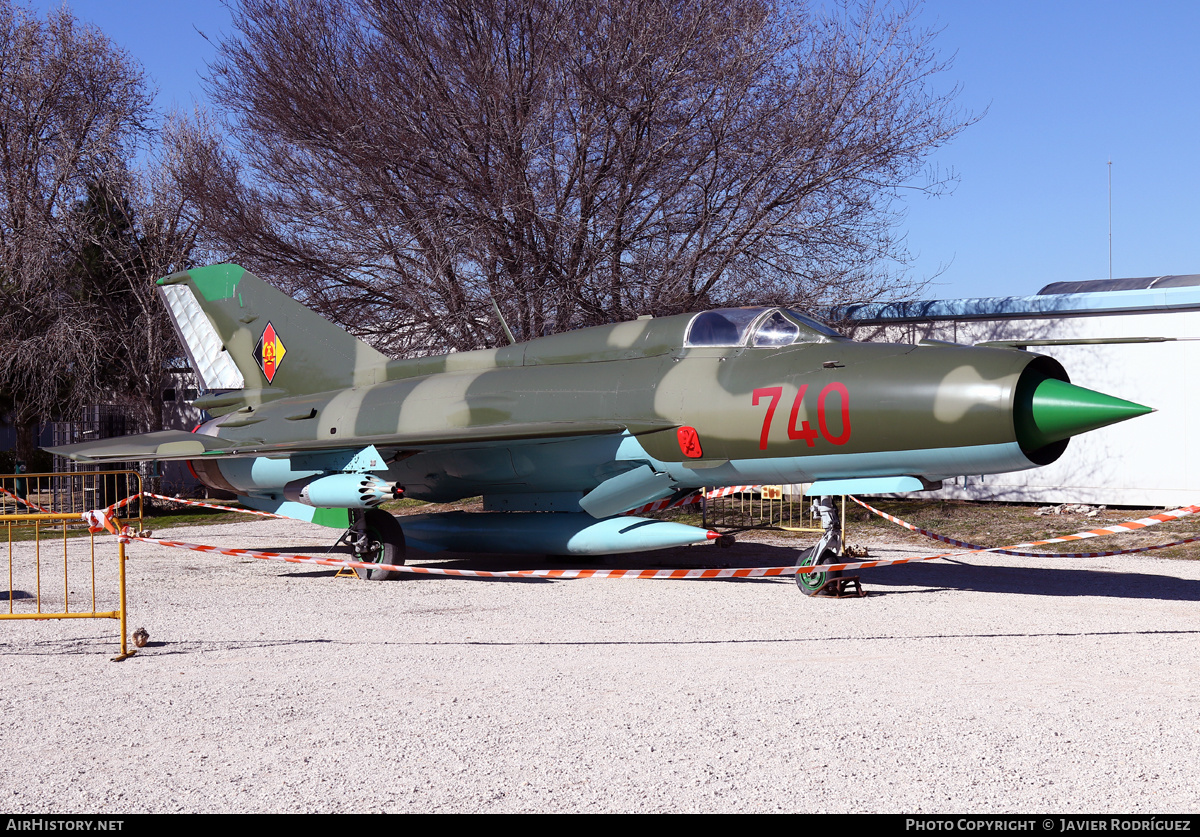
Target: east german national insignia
{"x":269,"y":352}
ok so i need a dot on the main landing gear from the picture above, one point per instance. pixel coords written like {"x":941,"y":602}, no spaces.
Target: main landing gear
{"x":828,"y":550}
{"x":376,"y":538}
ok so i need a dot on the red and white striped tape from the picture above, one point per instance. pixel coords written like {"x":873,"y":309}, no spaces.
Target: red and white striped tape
{"x":660,"y":505}
{"x":1128,"y":526}
{"x":742,"y":572}
{"x":210,"y":505}
{"x":120,"y":504}
{"x":98,"y":520}
{"x":25,"y":502}
{"x":733,"y":489}
{"x":132,"y":497}
{"x":1115,"y":529}
{"x":694,"y":497}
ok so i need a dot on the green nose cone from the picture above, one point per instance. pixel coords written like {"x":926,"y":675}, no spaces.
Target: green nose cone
{"x":1056,"y":410}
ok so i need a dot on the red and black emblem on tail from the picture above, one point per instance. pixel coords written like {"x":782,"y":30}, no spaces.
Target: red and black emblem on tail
{"x":269,"y":352}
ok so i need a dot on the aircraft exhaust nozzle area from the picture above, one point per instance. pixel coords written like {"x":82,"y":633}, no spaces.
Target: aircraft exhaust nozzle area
{"x":342,"y":491}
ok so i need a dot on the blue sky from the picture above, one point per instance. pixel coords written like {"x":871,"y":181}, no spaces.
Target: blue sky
{"x":1066,"y":86}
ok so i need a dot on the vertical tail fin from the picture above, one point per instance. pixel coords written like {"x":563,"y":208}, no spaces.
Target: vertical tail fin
{"x":241,"y":333}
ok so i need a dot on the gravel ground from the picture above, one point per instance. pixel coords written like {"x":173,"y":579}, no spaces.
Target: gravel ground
{"x":998,"y":685}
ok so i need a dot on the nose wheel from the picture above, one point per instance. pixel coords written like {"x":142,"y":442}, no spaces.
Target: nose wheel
{"x":376,"y":538}
{"x":811,"y":583}
{"x":827,"y":550}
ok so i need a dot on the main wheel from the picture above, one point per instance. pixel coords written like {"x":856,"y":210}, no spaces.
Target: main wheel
{"x":810,"y":583}
{"x":382,"y":543}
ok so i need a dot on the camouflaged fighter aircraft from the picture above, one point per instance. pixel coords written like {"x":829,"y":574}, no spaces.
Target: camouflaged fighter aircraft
{"x":562,"y":434}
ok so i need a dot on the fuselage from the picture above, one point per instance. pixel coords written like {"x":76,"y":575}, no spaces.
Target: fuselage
{"x":817,"y":407}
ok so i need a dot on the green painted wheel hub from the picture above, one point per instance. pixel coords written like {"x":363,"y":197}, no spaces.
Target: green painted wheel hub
{"x":810,"y":582}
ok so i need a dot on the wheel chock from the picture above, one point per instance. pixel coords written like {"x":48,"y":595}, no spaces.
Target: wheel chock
{"x":845,"y":587}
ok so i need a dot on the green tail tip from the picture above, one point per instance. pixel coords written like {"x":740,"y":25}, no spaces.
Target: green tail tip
{"x":1058,"y":410}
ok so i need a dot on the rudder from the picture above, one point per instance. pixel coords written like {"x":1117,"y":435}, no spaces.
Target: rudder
{"x":241,"y":333}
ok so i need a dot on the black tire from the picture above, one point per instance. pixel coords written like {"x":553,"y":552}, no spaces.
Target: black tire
{"x":810,"y":583}
{"x":386,"y":546}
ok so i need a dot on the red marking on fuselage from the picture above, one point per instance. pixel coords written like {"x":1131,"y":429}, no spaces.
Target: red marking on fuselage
{"x":689,"y":442}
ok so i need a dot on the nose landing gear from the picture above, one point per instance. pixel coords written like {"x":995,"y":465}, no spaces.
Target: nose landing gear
{"x":828,"y":550}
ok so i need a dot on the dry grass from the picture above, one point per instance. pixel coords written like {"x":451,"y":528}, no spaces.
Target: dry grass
{"x":996,"y":525}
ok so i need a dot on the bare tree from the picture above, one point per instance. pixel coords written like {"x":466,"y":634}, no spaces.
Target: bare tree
{"x":72,"y":108}
{"x":578,"y":162}
{"x":137,"y":227}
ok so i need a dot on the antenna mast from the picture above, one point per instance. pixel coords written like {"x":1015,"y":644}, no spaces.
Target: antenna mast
{"x":1110,"y":219}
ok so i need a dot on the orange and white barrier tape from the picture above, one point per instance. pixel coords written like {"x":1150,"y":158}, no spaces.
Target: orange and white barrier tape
{"x":99,"y":520}
{"x":743,"y":572}
{"x":694,"y":497}
{"x":733,"y":489}
{"x":25,"y":502}
{"x":1115,"y":529}
{"x":120,"y":504}
{"x":660,"y":505}
{"x":132,"y":497}
{"x":210,"y":505}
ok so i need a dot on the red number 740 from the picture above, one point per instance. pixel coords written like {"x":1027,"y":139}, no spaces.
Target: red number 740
{"x":805,"y":431}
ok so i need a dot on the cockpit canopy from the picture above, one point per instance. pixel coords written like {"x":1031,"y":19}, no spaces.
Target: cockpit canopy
{"x":761,"y":327}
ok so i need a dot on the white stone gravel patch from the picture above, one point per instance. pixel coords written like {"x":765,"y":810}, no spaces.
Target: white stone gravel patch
{"x":997,"y":684}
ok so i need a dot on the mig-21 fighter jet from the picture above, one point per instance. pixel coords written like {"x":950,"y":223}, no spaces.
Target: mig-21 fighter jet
{"x":563,"y":434}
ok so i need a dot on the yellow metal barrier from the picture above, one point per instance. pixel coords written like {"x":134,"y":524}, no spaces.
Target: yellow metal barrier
{"x":66,"y":492}
{"x":29,"y":531}
{"x":760,"y":507}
